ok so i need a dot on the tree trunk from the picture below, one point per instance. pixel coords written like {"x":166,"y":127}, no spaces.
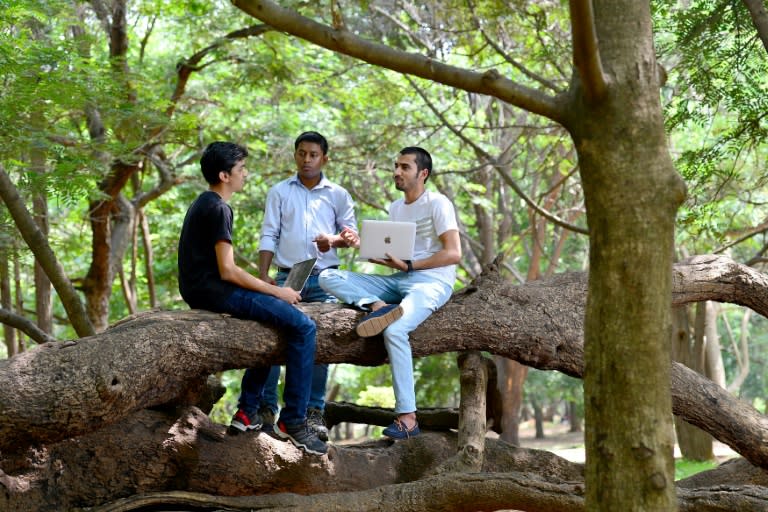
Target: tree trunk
{"x":574,"y":418}
{"x":149,"y":258}
{"x":632,"y":194}
{"x":694,"y":444}
{"x":713,"y":357}
{"x":538,"y":417}
{"x":43,"y":305}
{"x":6,"y":299}
{"x":511,"y":380}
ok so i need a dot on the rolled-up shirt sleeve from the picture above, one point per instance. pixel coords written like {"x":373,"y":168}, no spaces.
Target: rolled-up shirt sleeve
{"x":346,"y":209}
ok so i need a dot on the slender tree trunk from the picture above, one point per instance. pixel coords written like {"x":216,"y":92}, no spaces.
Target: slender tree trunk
{"x":510,"y":384}
{"x":6,"y":300}
{"x":713,"y":356}
{"x":740,"y":350}
{"x":20,"y":345}
{"x":574,"y":417}
{"x":149,"y":258}
{"x":694,"y":443}
{"x":43,"y":306}
{"x":538,"y":418}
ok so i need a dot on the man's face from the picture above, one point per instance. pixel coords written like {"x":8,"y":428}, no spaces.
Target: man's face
{"x":407,"y":174}
{"x":310,"y":160}
{"x":237,"y":176}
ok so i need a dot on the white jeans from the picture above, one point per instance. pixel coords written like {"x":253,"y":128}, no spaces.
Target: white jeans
{"x":419,"y":294}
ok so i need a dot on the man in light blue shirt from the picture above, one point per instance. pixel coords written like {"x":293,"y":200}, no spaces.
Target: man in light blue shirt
{"x":303,"y":217}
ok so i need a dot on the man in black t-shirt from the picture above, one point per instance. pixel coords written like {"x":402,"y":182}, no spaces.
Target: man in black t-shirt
{"x":210,"y":279}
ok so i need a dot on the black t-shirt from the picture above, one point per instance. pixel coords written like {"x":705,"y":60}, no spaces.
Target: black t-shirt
{"x":208,"y":221}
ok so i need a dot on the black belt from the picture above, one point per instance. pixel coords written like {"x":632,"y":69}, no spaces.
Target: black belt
{"x":315,"y":271}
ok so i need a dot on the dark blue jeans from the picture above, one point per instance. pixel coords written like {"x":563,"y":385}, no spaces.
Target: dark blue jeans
{"x":311,"y":293}
{"x":299,"y":332}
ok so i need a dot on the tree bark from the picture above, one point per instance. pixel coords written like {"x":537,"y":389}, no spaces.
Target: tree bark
{"x":631,"y":209}
{"x":472,"y":428}
{"x":179,"y":457}
{"x":6,"y":302}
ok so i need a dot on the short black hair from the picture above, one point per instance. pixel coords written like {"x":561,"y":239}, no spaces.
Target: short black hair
{"x":220,"y":156}
{"x":312,"y":137}
{"x":423,"y":159}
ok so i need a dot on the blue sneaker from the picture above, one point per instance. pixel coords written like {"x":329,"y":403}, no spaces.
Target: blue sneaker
{"x":375,"y":322}
{"x":302,"y":437}
{"x":398,"y":430}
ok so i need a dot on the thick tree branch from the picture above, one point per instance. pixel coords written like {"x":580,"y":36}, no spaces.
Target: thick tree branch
{"x":343,"y":41}
{"x":38,"y":244}
{"x":586,"y":53}
{"x":150,"y":360}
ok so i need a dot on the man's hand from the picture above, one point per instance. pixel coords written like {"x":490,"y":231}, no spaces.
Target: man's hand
{"x":391,"y":262}
{"x":324,"y":242}
{"x":350,"y":237}
{"x":265,"y":277}
{"x":289,"y":295}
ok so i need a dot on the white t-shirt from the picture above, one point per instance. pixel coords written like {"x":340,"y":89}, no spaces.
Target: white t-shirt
{"x":433,"y":214}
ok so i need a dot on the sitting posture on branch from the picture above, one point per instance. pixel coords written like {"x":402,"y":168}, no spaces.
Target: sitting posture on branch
{"x":400,"y":302}
{"x":210,"y":279}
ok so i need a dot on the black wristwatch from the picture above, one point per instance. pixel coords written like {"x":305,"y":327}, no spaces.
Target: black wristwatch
{"x":410,"y":265}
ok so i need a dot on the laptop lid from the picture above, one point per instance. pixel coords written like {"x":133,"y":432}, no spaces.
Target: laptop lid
{"x":299,"y":274}
{"x":378,"y":237}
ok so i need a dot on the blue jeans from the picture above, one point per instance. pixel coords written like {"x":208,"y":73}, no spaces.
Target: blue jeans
{"x":418,"y":293}
{"x":299,"y":333}
{"x":311,"y":293}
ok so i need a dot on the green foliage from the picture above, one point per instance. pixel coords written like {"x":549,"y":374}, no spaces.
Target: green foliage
{"x":715,"y":109}
{"x":685,"y":468}
{"x":226,"y":407}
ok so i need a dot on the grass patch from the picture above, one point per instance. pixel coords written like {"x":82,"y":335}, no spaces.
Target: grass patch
{"x":685,"y":468}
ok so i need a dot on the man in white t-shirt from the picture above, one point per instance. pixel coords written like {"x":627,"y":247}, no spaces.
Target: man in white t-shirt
{"x":401,"y":301}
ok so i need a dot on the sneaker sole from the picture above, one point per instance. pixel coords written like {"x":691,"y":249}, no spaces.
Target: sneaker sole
{"x":374,"y":326}
{"x":287,"y":437}
{"x":236,"y":426}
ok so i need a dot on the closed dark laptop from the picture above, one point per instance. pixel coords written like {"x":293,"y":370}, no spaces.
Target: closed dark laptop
{"x":299,"y":273}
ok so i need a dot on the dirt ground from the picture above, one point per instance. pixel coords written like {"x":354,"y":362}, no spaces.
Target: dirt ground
{"x":570,"y":445}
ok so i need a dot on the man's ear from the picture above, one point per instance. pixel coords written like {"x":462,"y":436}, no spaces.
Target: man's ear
{"x":223,"y":176}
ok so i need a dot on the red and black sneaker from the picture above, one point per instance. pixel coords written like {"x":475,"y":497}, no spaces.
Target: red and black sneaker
{"x":243,"y":422}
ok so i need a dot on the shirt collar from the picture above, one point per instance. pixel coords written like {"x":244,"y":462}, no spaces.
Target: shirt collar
{"x":323,"y":183}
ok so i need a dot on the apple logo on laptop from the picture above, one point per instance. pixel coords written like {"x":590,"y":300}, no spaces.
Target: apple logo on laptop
{"x":387,"y":240}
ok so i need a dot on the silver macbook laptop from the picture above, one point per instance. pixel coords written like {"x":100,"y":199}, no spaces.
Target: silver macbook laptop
{"x":299,"y":274}
{"x":378,"y":237}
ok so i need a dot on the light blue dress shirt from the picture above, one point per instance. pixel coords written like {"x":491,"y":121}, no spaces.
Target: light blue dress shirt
{"x":295,"y":215}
